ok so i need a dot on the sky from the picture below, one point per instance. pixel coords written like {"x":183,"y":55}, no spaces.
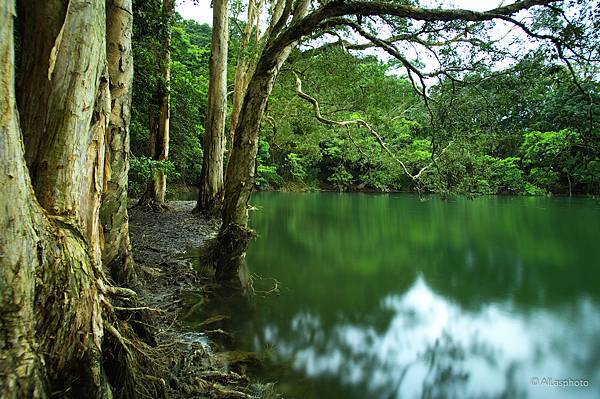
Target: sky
{"x":202,"y":12}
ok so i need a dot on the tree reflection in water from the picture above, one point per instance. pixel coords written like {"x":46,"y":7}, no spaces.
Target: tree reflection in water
{"x":432,"y":348}
{"x":388,"y":296}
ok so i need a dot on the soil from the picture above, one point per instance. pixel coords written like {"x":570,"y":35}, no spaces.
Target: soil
{"x":160,"y":240}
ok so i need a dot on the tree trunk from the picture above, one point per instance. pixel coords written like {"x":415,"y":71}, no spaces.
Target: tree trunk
{"x":116,"y":254}
{"x":210,"y":195}
{"x":234,"y":235}
{"x":65,"y":126}
{"x":59,"y":244}
{"x":54,"y":305}
{"x":154,"y":197}
{"x":20,"y":366}
{"x":245,"y":64}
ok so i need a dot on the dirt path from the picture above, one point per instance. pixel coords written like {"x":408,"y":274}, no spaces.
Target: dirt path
{"x":159,"y":240}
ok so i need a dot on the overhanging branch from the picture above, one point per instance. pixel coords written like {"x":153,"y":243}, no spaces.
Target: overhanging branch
{"x":363,"y":123}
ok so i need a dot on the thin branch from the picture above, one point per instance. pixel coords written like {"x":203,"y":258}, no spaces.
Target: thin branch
{"x":358,"y":122}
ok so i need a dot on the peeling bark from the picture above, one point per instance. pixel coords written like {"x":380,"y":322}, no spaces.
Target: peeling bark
{"x":210,"y":194}
{"x":63,"y":104}
{"x":53,"y":304}
{"x":20,"y":366}
{"x":116,"y":252}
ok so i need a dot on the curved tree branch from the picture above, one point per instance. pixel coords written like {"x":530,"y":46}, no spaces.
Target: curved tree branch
{"x":305,"y":26}
{"x":363,"y":123}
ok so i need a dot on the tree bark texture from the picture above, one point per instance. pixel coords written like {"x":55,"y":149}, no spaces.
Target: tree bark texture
{"x":54,"y":293}
{"x":154,"y":196}
{"x":20,"y":366}
{"x":210,"y":195}
{"x":52,"y":299}
{"x":116,"y":252}
{"x":239,"y":181}
{"x":245,"y":62}
{"x":64,"y":128}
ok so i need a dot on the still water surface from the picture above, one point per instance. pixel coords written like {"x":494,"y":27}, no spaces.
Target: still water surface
{"x":390,"y":296}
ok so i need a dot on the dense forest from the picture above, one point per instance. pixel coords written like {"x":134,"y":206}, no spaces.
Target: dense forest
{"x":107,"y":107}
{"x":530,"y":128}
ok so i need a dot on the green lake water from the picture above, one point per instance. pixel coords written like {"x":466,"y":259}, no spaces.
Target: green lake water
{"x":392,"y":296}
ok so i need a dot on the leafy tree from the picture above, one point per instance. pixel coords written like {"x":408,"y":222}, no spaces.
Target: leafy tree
{"x":444,"y":33}
{"x":190,"y":50}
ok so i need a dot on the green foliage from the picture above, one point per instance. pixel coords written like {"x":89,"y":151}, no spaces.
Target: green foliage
{"x":529,"y":130}
{"x":190,"y":50}
{"x":267,"y":178}
{"x":142,"y":170}
{"x":313,"y":154}
{"x":545,"y":147}
{"x":534,"y":112}
{"x":295,"y":165}
{"x":553,"y":159}
{"x":340,"y":178}
{"x":188,"y":106}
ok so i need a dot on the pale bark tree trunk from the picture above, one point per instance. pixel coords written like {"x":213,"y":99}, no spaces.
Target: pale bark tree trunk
{"x":234,"y":235}
{"x":20,"y":366}
{"x":154,"y":196}
{"x":54,"y":295}
{"x":74,"y":98}
{"x":210,"y":194}
{"x":245,"y":62}
{"x":60,"y":244}
{"x":116,"y":254}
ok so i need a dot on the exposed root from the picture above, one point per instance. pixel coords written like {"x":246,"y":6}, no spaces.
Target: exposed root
{"x":138,"y":309}
{"x":226,"y":252}
{"x":221,"y":376}
{"x":135,"y":368}
{"x":227,"y":393}
{"x":194,"y":370}
{"x":274,"y":290}
{"x":148,"y":203}
{"x":119,"y":292}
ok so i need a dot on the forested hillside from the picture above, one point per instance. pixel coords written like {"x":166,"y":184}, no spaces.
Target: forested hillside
{"x":528,"y":129}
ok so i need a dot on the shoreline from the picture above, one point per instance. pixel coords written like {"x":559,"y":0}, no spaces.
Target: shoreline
{"x":196,"y":362}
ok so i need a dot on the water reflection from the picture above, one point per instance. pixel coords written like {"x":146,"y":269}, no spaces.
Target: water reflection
{"x":392,"y":297}
{"x":433,"y":348}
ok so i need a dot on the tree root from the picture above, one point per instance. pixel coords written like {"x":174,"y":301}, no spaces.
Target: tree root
{"x":227,"y":393}
{"x":150,"y":204}
{"x":225,"y":253}
{"x":137,"y":309}
{"x":220,"y":376}
{"x":119,"y":292}
{"x":135,"y":368}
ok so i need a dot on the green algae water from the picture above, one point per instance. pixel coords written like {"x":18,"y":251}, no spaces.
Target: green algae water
{"x":392,"y":296}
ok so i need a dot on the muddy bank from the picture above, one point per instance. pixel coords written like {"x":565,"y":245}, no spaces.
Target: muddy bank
{"x":160,"y":240}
